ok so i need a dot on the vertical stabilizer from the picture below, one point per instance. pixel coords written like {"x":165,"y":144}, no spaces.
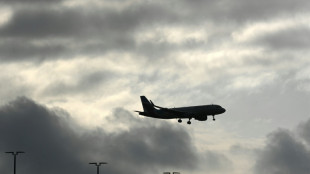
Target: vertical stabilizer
{"x":147,"y":105}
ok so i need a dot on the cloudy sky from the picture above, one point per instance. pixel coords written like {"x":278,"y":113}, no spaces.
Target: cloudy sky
{"x":72,"y":72}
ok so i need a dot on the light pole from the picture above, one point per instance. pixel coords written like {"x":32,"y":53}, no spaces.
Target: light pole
{"x":98,"y":165}
{"x":15,"y":154}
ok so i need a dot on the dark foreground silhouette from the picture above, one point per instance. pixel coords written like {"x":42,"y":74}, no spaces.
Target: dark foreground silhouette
{"x":200,"y":113}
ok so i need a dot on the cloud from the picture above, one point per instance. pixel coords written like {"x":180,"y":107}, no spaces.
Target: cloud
{"x":84,"y":22}
{"x":86,"y":82}
{"x":55,"y":144}
{"x":149,"y":29}
{"x":304,"y":131}
{"x":290,"y":39}
{"x":30,"y":1}
{"x":276,"y":34}
{"x":241,"y":11}
{"x":216,"y":162}
{"x":17,"y":50}
{"x":43,"y":23}
{"x":51,"y":33}
{"x":284,"y":153}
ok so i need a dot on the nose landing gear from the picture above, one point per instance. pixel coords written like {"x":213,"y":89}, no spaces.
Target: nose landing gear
{"x":213,"y":118}
{"x":180,"y":121}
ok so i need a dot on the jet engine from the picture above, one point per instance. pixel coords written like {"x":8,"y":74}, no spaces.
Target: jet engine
{"x":201,"y":117}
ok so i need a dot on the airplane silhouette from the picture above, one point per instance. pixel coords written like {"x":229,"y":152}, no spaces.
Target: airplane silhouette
{"x":200,"y":113}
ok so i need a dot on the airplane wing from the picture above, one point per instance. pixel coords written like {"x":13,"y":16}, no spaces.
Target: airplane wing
{"x":174,"y":111}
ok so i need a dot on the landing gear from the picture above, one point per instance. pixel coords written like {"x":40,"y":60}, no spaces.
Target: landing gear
{"x":189,"y":121}
{"x":180,"y":121}
{"x":213,"y":118}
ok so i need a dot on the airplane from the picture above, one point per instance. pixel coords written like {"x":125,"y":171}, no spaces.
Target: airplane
{"x":200,"y":113}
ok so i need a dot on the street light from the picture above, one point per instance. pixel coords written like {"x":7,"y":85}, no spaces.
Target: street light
{"x":15,"y":154}
{"x":98,"y":165}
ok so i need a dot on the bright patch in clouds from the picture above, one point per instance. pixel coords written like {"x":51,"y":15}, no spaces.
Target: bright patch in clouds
{"x":255,"y":30}
{"x":6,"y":14}
{"x":172,"y":34}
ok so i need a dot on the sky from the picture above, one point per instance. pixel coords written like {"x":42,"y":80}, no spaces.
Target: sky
{"x":72,"y":72}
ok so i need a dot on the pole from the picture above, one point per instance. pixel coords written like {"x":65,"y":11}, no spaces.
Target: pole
{"x":15,"y":154}
{"x":15,"y":163}
{"x":98,"y":165}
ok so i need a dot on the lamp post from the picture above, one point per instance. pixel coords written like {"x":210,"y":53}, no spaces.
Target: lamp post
{"x":15,"y":154}
{"x":98,"y":165}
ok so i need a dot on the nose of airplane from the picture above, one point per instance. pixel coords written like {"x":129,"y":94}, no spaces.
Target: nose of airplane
{"x":223,"y":110}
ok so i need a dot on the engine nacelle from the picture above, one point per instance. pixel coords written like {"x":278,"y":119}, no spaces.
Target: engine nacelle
{"x":201,"y":118}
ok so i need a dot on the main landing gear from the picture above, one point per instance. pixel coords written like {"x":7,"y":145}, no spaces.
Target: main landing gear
{"x":189,"y":121}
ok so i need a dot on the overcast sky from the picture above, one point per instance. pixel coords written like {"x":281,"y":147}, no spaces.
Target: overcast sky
{"x":72,"y":72}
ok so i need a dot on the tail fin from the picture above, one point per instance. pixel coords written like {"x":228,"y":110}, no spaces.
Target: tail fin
{"x":147,"y":105}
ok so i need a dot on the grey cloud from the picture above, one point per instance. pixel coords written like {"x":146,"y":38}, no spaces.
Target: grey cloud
{"x":12,"y":50}
{"x":84,"y":83}
{"x":52,"y":146}
{"x":74,"y":22}
{"x":84,"y":31}
{"x":244,"y":10}
{"x":96,"y":31}
{"x":304,"y":131}
{"x":216,"y":162}
{"x":29,"y":1}
{"x":290,"y":39}
{"x":238,"y":149}
{"x":126,"y":117}
{"x":275,"y":104}
{"x":43,"y":23}
{"x":283,"y":154}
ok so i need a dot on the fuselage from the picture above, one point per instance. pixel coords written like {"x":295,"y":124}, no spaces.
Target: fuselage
{"x":197,"y":112}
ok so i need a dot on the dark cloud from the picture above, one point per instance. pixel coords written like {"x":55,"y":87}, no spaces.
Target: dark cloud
{"x":283,"y":153}
{"x":65,"y":33}
{"x":16,"y":49}
{"x":53,"y":146}
{"x":44,"y":23}
{"x":61,"y":22}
